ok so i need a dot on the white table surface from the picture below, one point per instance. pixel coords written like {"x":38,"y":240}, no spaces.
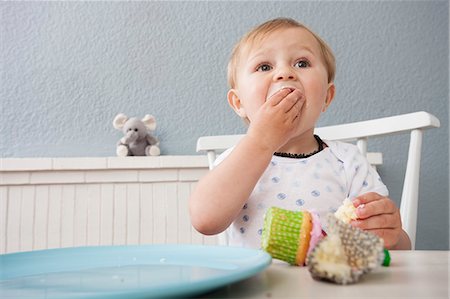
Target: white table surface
{"x":412,"y":274}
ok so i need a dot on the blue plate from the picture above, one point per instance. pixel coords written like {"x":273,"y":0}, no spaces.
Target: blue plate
{"x":148,"y":271}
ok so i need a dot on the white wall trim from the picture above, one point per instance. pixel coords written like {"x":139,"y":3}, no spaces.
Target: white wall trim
{"x":36,"y":171}
{"x":65,"y":202}
{"x":91,"y":163}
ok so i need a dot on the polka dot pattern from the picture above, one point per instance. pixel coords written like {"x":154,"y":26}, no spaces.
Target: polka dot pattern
{"x":319,"y":183}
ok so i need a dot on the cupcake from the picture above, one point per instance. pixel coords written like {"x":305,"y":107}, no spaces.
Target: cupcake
{"x":290,"y":235}
{"x":346,"y":253}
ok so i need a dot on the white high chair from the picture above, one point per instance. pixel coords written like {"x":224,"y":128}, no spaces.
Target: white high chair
{"x":415,"y":123}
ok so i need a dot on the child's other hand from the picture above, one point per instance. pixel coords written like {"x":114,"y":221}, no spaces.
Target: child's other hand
{"x":276,"y":120}
{"x":379,"y":215}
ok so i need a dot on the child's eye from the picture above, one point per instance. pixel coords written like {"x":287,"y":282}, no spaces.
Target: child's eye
{"x":302,"y":64}
{"x":263,"y":68}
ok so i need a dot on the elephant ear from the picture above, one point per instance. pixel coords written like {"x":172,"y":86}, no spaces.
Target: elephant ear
{"x":150,"y":122}
{"x":119,"y":121}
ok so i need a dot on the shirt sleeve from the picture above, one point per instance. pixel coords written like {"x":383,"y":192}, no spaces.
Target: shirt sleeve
{"x":361,"y":176}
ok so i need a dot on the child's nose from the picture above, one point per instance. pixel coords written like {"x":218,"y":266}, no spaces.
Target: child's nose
{"x":285,"y":73}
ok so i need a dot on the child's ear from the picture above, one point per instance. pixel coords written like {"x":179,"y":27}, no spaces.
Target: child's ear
{"x":330,"y":96}
{"x":235,"y":103}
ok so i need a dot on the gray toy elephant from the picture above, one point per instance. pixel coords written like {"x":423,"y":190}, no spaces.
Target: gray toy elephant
{"x":137,"y":140}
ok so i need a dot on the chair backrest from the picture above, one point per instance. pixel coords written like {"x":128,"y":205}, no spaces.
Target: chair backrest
{"x":414,"y":123}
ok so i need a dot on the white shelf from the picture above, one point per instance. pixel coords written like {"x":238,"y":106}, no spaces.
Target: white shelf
{"x":38,"y":171}
{"x":98,"y":163}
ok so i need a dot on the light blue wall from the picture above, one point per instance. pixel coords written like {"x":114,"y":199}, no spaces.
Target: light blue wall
{"x":67,"y":68}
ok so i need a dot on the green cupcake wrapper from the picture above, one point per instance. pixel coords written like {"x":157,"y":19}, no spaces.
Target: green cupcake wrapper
{"x":281,"y":233}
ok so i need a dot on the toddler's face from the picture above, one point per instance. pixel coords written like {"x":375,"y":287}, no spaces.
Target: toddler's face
{"x":285,"y":58}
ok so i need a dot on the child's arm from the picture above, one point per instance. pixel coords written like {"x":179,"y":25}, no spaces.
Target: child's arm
{"x":380,"y":215}
{"x":220,"y":195}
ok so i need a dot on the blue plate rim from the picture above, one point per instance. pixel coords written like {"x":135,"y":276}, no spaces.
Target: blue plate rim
{"x":196,"y":287}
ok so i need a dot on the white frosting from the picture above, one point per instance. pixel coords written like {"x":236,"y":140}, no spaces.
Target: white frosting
{"x":346,"y":212}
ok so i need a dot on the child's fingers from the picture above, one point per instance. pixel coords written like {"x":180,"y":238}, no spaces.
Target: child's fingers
{"x":379,"y":215}
{"x":366,"y":198}
{"x":378,"y":207}
{"x":285,"y":98}
{"x":293,"y":102}
{"x":383,"y":221}
{"x":277,"y":97}
{"x":296,"y":111}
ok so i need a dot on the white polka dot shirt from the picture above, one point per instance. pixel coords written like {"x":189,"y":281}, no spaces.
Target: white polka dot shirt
{"x":319,"y":183}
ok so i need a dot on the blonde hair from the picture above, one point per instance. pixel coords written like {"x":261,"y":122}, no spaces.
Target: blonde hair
{"x":261,"y":31}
